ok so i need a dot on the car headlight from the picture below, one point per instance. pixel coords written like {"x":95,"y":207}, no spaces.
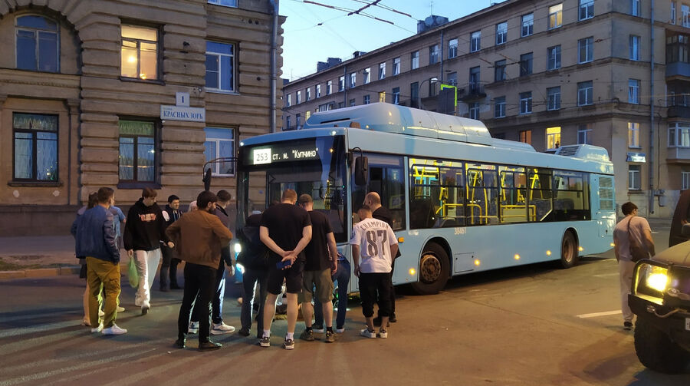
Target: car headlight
{"x":651,"y":281}
{"x":658,"y":280}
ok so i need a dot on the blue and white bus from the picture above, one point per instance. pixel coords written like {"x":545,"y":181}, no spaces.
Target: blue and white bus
{"x":461,"y":201}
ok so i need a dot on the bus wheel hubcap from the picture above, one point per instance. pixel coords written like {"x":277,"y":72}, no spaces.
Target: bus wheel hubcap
{"x":430,"y":268}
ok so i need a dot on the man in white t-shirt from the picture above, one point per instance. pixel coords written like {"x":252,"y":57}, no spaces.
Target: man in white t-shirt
{"x":375,"y":242}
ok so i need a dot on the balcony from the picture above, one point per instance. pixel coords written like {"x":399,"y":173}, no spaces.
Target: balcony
{"x":678,"y":69}
{"x":678,"y":155}
{"x":679,"y":112}
{"x":471,"y":92}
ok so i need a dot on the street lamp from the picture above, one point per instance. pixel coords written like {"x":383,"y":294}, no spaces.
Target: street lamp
{"x":419,"y":92}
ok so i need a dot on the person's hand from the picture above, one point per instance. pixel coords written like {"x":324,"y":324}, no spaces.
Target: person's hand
{"x":334,"y":267}
{"x":171,"y":244}
{"x":130,"y":252}
{"x":357,"y":270}
{"x":289,"y":255}
{"x":231,"y":270}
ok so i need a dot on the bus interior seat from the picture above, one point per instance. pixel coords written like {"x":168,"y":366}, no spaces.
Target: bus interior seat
{"x":421,"y":213}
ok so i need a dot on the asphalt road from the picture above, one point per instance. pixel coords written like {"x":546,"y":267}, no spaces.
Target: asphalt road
{"x":533,"y":325}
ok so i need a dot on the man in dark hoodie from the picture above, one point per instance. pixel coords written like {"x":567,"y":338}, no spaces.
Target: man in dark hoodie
{"x":171,"y":214}
{"x":144,"y":230}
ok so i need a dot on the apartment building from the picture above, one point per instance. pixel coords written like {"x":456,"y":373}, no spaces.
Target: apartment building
{"x":127,"y":94}
{"x":611,"y":73}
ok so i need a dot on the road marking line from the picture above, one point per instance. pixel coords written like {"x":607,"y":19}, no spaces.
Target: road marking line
{"x":596,"y":314}
{"x":607,"y":275}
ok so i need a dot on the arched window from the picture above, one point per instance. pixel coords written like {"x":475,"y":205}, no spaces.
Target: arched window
{"x":37,"y":44}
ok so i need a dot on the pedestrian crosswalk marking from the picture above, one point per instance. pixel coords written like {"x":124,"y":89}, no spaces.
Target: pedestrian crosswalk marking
{"x":596,"y":314}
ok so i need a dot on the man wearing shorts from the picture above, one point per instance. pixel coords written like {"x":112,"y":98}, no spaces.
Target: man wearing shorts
{"x":321,"y":259}
{"x":286,"y":231}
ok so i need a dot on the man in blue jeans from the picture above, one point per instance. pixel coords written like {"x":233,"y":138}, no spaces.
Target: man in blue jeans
{"x":342,"y":277}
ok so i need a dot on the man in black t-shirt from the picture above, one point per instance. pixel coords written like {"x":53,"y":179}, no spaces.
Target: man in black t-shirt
{"x":286,"y":231}
{"x":322,"y":260}
{"x":373,"y":200}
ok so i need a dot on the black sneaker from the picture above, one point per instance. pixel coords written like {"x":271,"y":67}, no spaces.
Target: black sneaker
{"x":318,"y":328}
{"x":392,"y":318}
{"x":289,"y":344}
{"x":180,"y":342}
{"x":204,"y":346}
{"x":307,"y":335}
{"x":627,"y":326}
{"x":265,"y":341}
{"x":243,"y":332}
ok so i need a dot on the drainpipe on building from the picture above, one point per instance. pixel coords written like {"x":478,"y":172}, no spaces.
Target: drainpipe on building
{"x":274,"y":68}
{"x":651,"y":115}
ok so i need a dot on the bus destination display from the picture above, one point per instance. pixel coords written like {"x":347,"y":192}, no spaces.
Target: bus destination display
{"x":284,"y":153}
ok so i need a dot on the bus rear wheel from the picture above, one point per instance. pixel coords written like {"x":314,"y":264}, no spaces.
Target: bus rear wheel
{"x":434,"y":270}
{"x":569,"y":250}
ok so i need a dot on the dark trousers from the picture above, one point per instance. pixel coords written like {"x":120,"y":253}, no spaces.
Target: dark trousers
{"x":217,"y":302}
{"x":392,"y":292}
{"x":170,"y":263}
{"x":252,"y":277}
{"x":342,"y":277}
{"x":200,"y":284}
{"x":371,"y":285}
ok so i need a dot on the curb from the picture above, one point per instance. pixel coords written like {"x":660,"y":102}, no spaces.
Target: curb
{"x":39,"y":273}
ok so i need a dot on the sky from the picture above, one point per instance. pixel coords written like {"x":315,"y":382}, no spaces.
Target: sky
{"x":314,"y":32}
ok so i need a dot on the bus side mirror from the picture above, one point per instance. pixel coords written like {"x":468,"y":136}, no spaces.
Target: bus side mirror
{"x":361,"y":169}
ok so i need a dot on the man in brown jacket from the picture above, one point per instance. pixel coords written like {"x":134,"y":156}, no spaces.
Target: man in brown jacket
{"x":199,"y":236}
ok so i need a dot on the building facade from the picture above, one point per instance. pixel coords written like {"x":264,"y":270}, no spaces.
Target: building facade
{"x":611,"y":73}
{"x":127,"y":94}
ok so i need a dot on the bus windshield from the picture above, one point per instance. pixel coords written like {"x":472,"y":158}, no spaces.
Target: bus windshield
{"x":315,"y":166}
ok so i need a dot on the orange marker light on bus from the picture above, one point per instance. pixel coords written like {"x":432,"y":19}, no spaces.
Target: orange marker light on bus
{"x":401,"y":240}
{"x":476,"y":262}
{"x":613,"y":245}
{"x":517,"y":257}
{"x":413,"y":271}
{"x":548,"y":253}
{"x":580,"y":249}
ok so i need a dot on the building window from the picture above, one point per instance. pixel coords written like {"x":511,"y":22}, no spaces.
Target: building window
{"x":474,"y":110}
{"x":635,"y":9}
{"x":288,"y":124}
{"x":501,"y":33}
{"x":554,"y":98}
{"x":679,"y":135}
{"x":137,"y":157}
{"x":288,"y":101}
{"x":553,"y":57}
{"x":585,"y":50}
{"x":227,"y":3}
{"x":353,"y":79}
{"x":500,"y":70}
{"x":527,"y":25}
{"x":367,"y":99}
{"x":433,"y":54}
{"x":432,"y":85}
{"x":35,"y":147}
{"x":553,"y":138}
{"x":352,"y":102}
{"x":318,"y":91}
{"x":329,"y":87}
{"x":396,"y":66}
{"x":475,"y":79}
{"x":341,"y":105}
{"x":415,"y":60}
{"x":685,"y":178}
{"x":139,"y":54}
{"x":452,"y":48}
{"x":299,"y":97}
{"x":367,"y":75}
{"x":685,"y":11}
{"x":308,"y":93}
{"x":298,"y":121}
{"x":525,"y":136}
{"x":500,"y":107}
{"x":526,"y":102}
{"x":414,"y":92}
{"x":673,"y":12}
{"x":475,"y":41}
{"x":584,"y":134}
{"x":634,"y":91}
{"x":555,"y":16}
{"x":452,"y":79}
{"x":586,"y":9}
{"x":220,"y":66}
{"x":220,"y":143}
{"x":585,"y":91}
{"x":634,"y":47}
{"x":37,"y":44}
{"x":341,"y":83}
{"x":382,"y":70}
{"x":633,"y":134}
{"x":634,"y":178}
{"x":526,"y":64}
{"x":396,"y":95}
{"x":382,"y":97}
{"x":326,"y":107}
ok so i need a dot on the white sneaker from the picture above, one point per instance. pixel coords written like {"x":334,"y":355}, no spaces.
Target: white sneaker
{"x":97,"y":329}
{"x":383,"y":334}
{"x":193,"y":328}
{"x":114,"y":330}
{"x":368,"y":334}
{"x":340,"y":330}
{"x":137,"y":302}
{"x":120,"y":309}
{"x":221,"y":328}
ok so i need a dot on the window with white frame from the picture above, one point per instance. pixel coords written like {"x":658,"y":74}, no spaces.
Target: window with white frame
{"x":501,"y":33}
{"x":553,"y":138}
{"x":325,"y":107}
{"x":382,"y":70}
{"x":674,"y":14}
{"x":553,"y":57}
{"x":396,"y":95}
{"x":475,"y":41}
{"x":685,"y":180}
{"x":36,"y":147}
{"x":452,"y":48}
{"x":526,"y":102}
{"x":527,"y":25}
{"x":367,"y":99}
{"x":679,"y":134}
{"x":227,"y":3}
{"x":220,"y":143}
{"x":553,"y":98}
{"x":396,"y":66}
{"x":585,"y":93}
{"x":500,"y":107}
{"x":415,"y":60}
{"x":367,"y":75}
{"x":685,"y":13}
{"x":635,"y":8}
{"x":37,"y":44}
{"x":584,"y":134}
{"x":220,"y":66}
{"x":433,"y":54}
{"x":137,"y":160}
{"x":298,"y":98}
{"x":634,"y":91}
{"x":500,"y":70}
{"x":586,"y":9}
{"x":318,"y":91}
{"x":308,"y":93}
{"x":585,"y":50}
{"x":633,"y":135}
{"x":139,"y":54}
{"x":555,"y":16}
{"x":341,"y":83}
{"x":353,"y":79}
{"x":329,"y":87}
{"x":634,"y":47}
{"x":289,"y":100}
{"x":634,"y":177}
{"x":474,"y":110}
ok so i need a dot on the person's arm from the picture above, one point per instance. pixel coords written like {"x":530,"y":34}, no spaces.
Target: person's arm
{"x":221,"y":231}
{"x":355,"y":258}
{"x":173,"y":231}
{"x":127,"y":238}
{"x":649,"y":242}
{"x":110,"y":237}
{"x":162,"y":225}
{"x":303,"y":242}
{"x":333,"y":250}
{"x":269,"y":243}
{"x":615,"y":246}
{"x":394,"y":250}
{"x":73,"y":228}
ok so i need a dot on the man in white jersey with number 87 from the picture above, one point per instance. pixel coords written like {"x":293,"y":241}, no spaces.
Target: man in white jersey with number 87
{"x":374,"y":241}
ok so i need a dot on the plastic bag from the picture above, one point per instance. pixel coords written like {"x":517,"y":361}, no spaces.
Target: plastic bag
{"x":132,"y":273}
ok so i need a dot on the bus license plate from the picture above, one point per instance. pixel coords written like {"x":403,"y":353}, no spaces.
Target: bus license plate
{"x":687,"y":324}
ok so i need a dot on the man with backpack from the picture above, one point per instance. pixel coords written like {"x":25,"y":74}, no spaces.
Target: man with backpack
{"x":254,"y":259}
